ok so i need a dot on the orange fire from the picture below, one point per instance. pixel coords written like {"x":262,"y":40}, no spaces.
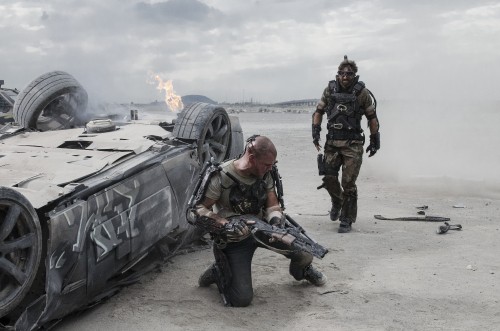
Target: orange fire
{"x":173,"y":101}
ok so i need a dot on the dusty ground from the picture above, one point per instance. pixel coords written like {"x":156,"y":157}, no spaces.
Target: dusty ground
{"x":384,"y":275}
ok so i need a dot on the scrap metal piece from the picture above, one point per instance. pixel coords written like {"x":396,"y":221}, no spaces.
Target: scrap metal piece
{"x":444,"y":228}
{"x":424,"y":218}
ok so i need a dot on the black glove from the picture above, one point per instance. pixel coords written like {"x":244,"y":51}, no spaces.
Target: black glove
{"x":316,"y":129}
{"x":374,"y":144}
{"x":277,"y":221}
{"x":235,"y":229}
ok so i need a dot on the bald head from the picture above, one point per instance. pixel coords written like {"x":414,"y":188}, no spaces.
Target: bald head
{"x":259,"y":158}
{"x":262,"y":146}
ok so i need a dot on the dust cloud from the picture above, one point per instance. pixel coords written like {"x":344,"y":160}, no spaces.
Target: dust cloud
{"x":444,"y":146}
{"x":454,"y":142}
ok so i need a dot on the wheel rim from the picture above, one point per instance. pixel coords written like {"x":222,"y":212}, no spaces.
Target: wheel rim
{"x":59,"y":113}
{"x":216,"y":139}
{"x":19,"y":252}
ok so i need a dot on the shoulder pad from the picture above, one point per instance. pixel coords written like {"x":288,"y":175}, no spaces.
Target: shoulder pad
{"x":332,"y":85}
{"x":358,"y":87}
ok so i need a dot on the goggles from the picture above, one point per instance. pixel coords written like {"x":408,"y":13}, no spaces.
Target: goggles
{"x":345,"y":73}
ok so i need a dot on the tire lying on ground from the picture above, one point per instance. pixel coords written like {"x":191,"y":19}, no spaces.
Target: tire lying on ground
{"x":20,"y":248}
{"x":100,"y":125}
{"x":52,"y":101}
{"x":209,"y":125}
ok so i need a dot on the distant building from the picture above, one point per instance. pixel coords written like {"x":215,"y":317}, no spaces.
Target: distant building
{"x":187,"y":99}
{"x":304,"y":102}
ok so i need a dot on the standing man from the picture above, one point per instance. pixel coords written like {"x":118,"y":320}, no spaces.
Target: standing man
{"x":345,"y":100}
{"x":240,"y":187}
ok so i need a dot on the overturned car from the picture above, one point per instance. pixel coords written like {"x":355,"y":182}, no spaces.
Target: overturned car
{"x":7,"y":97}
{"x":84,"y":201}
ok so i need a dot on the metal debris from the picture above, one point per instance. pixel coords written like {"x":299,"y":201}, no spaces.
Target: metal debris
{"x":424,"y":218}
{"x":444,"y":228}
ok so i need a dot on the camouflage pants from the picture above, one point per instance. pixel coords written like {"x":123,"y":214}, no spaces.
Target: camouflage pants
{"x":340,"y":155}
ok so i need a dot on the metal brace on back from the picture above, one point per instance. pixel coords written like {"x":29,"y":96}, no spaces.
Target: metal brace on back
{"x":279,"y":185}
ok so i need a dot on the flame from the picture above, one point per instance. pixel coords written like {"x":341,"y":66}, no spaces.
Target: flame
{"x":173,"y":101}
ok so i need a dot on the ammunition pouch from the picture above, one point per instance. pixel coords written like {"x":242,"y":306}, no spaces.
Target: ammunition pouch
{"x":338,"y":134}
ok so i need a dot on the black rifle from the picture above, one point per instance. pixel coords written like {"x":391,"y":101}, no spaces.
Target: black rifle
{"x":321,"y":164}
{"x":291,"y":234}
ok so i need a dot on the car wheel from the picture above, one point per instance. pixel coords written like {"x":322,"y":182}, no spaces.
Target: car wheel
{"x":209,"y":125}
{"x":53,"y":101}
{"x":20,"y":248}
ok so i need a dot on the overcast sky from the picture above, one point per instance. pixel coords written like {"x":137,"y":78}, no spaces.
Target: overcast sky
{"x":265,"y":51}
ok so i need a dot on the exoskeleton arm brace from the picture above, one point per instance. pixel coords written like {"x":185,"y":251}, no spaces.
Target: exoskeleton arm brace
{"x":206,"y":220}
{"x":208,"y":170}
{"x":197,"y":213}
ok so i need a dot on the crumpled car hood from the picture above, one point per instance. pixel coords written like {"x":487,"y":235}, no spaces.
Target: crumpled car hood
{"x":40,"y":164}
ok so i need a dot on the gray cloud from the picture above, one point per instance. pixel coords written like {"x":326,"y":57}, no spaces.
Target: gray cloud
{"x":433,"y":65}
{"x":177,"y":12}
{"x":272,"y":50}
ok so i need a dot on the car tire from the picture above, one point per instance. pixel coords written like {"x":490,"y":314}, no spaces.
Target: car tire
{"x":20,"y":248}
{"x":52,"y":101}
{"x":209,"y":125}
{"x":100,"y":125}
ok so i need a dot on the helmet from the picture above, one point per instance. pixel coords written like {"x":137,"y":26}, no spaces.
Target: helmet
{"x":348,"y":62}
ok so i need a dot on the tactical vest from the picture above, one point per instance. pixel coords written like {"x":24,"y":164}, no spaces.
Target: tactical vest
{"x":247,"y":199}
{"x":344,"y":112}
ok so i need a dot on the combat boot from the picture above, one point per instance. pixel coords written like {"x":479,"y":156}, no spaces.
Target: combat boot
{"x":208,"y":277}
{"x":335,"y":212}
{"x":349,"y":211}
{"x":314,"y":276}
{"x":345,"y":225}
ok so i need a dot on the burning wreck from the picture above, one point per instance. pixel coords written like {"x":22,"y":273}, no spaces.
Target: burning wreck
{"x":84,"y":201}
